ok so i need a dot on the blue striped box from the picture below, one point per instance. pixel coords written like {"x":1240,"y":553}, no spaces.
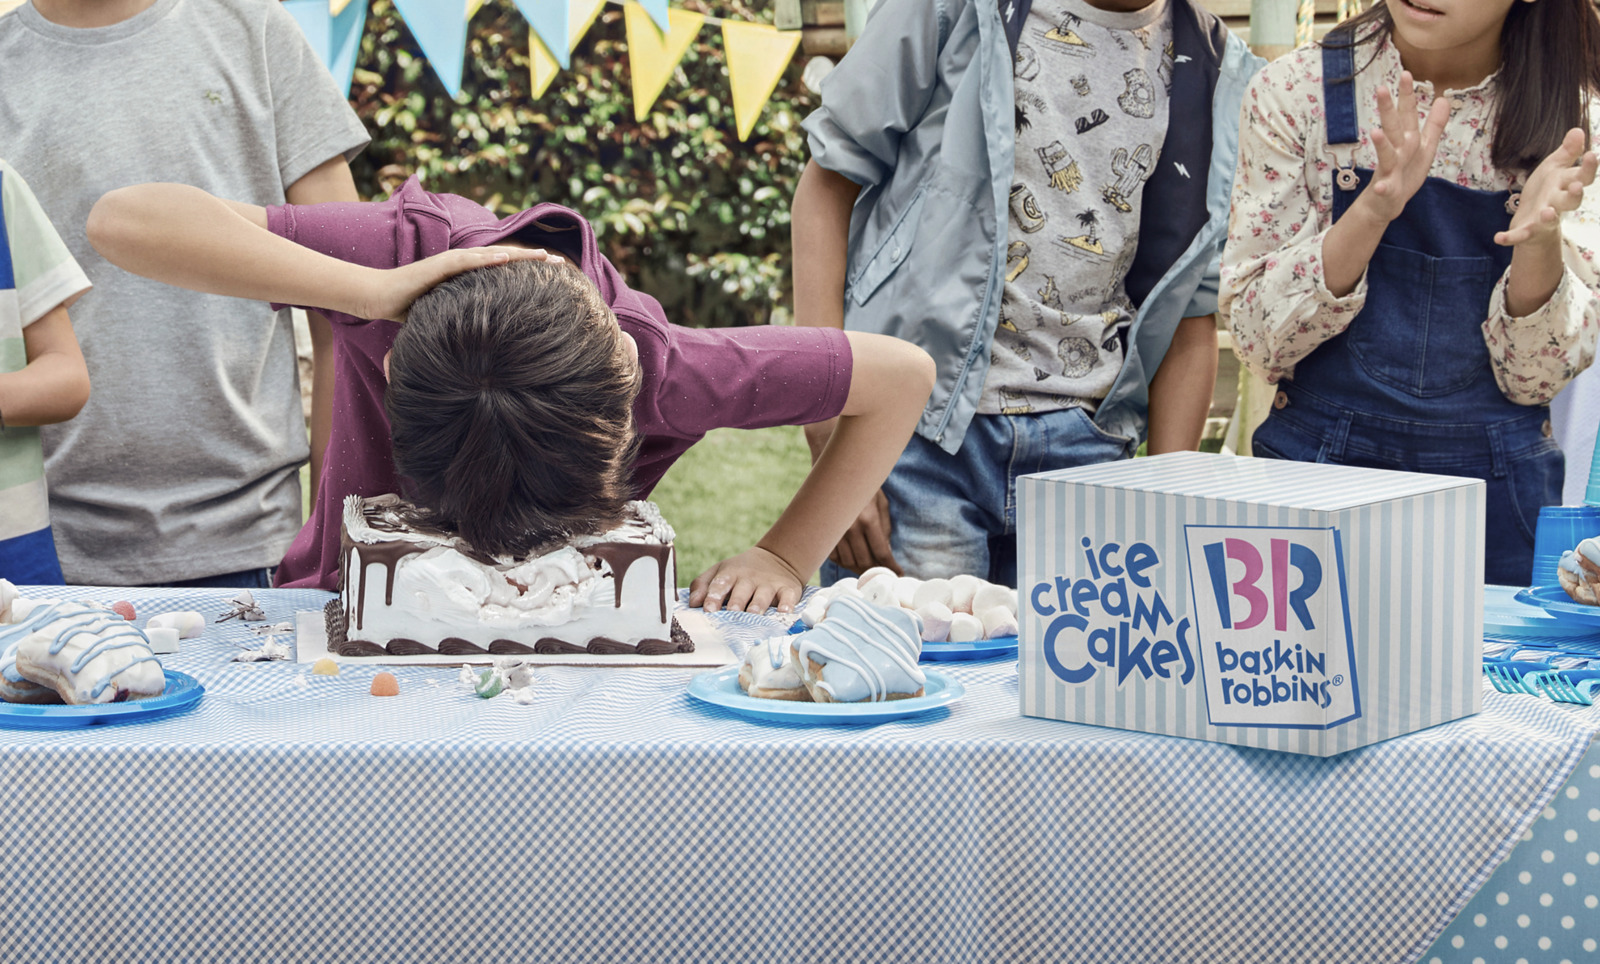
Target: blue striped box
{"x":1282,"y":605}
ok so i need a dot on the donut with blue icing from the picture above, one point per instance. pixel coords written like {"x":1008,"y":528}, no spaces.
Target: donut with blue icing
{"x":860,"y":653}
{"x":83,"y":652}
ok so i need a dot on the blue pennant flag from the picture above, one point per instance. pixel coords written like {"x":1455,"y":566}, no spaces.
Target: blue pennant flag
{"x":335,"y":40}
{"x":548,"y":18}
{"x":440,"y":27}
{"x":657,"y":9}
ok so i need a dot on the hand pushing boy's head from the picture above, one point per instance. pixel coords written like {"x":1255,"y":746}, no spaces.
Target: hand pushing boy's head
{"x":510,"y":403}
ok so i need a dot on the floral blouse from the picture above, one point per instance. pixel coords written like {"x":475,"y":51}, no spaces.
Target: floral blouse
{"x":1273,"y":293}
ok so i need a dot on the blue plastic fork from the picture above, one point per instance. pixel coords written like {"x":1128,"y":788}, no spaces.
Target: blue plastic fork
{"x":1567,"y":685}
{"x":1507,"y":675}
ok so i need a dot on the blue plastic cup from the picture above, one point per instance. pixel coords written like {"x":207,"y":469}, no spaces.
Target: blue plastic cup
{"x":1592,"y":496}
{"x":1561,"y":527}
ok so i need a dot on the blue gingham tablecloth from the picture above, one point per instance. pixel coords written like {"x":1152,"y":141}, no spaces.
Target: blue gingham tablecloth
{"x":291,"y":817}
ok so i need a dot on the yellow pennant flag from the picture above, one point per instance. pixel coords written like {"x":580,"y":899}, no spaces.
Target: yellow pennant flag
{"x":473,"y":6}
{"x":652,"y":54}
{"x":581,"y":15}
{"x":757,"y":56}
{"x":336,"y":7}
{"x":542,"y":65}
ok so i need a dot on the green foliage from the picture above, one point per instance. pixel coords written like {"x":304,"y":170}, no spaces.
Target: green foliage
{"x":686,"y":211}
{"x":728,"y":490}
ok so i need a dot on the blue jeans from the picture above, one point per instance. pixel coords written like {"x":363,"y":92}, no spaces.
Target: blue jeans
{"x":956,"y":514}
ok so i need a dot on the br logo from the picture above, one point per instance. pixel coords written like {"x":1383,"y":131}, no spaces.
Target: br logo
{"x":1273,"y":623}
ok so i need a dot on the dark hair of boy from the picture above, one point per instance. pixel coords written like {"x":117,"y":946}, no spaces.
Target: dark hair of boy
{"x":510,"y":404}
{"x":1544,"y":82}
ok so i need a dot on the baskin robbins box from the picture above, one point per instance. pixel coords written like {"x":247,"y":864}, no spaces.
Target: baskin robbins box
{"x":1284,"y":605}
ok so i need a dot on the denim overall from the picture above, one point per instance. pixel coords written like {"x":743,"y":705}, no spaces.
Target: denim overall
{"x":1408,"y":385}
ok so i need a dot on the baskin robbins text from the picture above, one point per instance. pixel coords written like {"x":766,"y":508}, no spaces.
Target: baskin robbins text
{"x":1270,"y":631}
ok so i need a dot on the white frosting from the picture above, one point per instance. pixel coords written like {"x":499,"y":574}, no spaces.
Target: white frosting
{"x":441,"y":593}
{"x":772,"y":665}
{"x":8,"y":594}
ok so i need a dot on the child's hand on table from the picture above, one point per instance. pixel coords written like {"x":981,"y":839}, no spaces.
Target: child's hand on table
{"x":751,"y":581}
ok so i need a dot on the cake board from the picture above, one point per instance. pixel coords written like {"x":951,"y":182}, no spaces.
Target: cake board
{"x":710,"y":649}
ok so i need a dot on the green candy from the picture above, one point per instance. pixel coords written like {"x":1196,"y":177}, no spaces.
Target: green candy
{"x":489,"y":684}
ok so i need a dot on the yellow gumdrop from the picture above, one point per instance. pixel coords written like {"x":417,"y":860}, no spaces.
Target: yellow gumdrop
{"x":325,"y":667}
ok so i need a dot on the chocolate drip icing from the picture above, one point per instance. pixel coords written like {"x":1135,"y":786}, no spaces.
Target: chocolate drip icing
{"x":620,"y":556}
{"x":388,"y":554}
{"x":456,"y":646}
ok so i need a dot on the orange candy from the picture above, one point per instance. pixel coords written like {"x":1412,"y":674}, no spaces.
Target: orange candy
{"x":384,"y":684}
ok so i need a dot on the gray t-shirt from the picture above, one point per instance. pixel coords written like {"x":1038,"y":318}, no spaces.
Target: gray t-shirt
{"x":184,"y":462}
{"x":1091,"y":116}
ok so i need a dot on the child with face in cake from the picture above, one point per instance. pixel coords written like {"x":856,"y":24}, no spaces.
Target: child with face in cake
{"x":530,"y":391}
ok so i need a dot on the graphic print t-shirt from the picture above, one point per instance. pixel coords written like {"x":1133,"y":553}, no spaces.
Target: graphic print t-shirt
{"x":1091,"y":115}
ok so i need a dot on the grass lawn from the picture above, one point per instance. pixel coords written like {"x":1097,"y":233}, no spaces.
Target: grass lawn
{"x":728,"y":490}
{"x":721,"y":496}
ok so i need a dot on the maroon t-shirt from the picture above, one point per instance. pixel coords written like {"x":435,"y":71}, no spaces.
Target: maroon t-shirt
{"x":694,"y":380}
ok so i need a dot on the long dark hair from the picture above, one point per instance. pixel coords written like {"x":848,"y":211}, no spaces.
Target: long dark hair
{"x":510,"y":406}
{"x":1549,"y":64}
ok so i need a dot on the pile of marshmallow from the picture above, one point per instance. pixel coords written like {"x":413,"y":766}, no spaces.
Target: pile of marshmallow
{"x":962,"y":609}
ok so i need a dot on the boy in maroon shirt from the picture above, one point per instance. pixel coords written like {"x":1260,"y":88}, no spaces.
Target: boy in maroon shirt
{"x":373,"y":260}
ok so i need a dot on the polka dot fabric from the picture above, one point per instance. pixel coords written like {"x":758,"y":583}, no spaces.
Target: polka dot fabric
{"x":1543,"y":905}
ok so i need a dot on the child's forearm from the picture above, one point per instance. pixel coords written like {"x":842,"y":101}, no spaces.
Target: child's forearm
{"x":819,"y":232}
{"x":54,"y":384}
{"x":1536,"y":270}
{"x":889,"y":385}
{"x":1348,"y":248}
{"x":1181,"y":391}
{"x":183,"y":236}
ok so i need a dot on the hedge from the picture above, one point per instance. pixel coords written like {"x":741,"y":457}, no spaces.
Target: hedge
{"x":687,"y":212}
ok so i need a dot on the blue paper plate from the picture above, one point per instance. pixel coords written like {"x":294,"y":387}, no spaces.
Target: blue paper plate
{"x":1555,"y":601}
{"x":721,"y":688}
{"x":183,"y":691}
{"x":1001,"y":647}
{"x":1508,"y":615}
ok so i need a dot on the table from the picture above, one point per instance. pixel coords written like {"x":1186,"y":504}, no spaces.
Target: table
{"x":290,"y":817}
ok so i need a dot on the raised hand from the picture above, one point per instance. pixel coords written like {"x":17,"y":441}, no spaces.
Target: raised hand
{"x":390,"y":292}
{"x":1404,"y":147}
{"x":1555,"y":187}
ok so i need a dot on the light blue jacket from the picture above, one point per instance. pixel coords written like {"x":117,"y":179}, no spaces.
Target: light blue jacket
{"x":920,"y":115}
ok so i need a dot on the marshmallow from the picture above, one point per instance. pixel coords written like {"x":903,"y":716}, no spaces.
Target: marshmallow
{"x":998,"y":621}
{"x":989,"y":595}
{"x":871,"y":574}
{"x":965,"y":628}
{"x":961,"y":589}
{"x":905,"y":589}
{"x":815,"y":608}
{"x":880,"y":592}
{"x":8,"y":594}
{"x":935,"y":618}
{"x":932,"y":591}
{"x":845,"y":585}
{"x":189,"y":624}
{"x":162,"y":641}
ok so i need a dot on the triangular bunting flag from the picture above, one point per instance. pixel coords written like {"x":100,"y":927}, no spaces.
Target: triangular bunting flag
{"x":336,"y":7}
{"x":652,"y":55}
{"x":581,"y":15}
{"x":316,"y":23}
{"x":473,"y":6}
{"x":345,"y":42}
{"x":658,"y":12}
{"x":542,"y":67}
{"x":548,"y":18}
{"x":757,"y":57}
{"x":440,"y":27}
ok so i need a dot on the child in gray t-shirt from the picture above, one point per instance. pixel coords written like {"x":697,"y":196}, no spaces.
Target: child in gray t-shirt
{"x":184,"y":463}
